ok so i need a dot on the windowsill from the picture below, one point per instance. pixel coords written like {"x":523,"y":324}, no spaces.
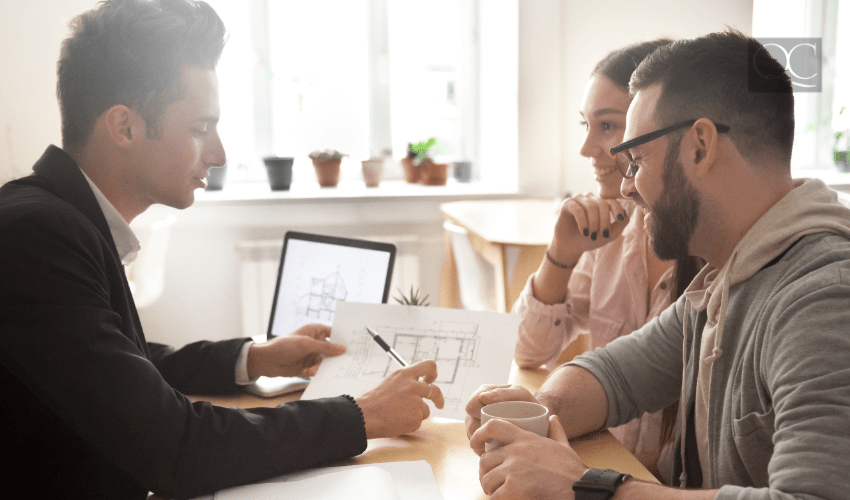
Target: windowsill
{"x":246,"y":193}
{"x":840,"y":181}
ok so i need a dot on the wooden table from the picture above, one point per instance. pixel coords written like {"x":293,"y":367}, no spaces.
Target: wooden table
{"x":512,"y":235}
{"x":444,"y":445}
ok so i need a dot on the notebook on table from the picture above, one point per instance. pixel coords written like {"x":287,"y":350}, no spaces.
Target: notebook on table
{"x":315,"y":272}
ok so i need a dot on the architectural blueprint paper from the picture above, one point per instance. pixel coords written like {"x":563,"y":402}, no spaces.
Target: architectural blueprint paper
{"x":471,"y":348}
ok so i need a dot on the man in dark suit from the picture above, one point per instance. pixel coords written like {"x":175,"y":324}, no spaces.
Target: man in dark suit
{"x":89,"y":408}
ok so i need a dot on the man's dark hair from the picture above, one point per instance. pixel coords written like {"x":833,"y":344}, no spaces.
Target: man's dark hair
{"x":711,"y":77}
{"x":132,"y":52}
{"x":619,"y":65}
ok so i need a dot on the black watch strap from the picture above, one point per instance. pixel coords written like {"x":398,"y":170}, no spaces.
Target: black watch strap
{"x":592,"y":494}
{"x":598,"y":484}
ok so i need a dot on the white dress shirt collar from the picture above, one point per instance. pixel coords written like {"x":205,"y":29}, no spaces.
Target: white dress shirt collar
{"x":125,"y":240}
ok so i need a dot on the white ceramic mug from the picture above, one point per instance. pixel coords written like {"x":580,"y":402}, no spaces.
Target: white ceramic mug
{"x":526,"y":415}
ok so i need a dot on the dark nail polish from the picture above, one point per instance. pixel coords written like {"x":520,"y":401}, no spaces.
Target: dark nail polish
{"x":605,"y":233}
{"x":593,"y":236}
{"x":585,"y":232}
{"x":620,"y":217}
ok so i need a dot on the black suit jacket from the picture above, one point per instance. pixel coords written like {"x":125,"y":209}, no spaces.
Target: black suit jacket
{"x":88,"y":408}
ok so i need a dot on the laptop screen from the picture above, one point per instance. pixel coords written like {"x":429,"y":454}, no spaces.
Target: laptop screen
{"x":317,"y":271}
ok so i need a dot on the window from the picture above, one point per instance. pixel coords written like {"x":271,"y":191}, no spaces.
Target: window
{"x":819,"y":116}
{"x":364,"y":77}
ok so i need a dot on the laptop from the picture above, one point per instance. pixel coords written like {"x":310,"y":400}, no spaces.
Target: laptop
{"x":316,"y":272}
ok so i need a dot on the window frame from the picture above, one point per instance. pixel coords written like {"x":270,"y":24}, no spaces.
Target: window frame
{"x":491,"y":144}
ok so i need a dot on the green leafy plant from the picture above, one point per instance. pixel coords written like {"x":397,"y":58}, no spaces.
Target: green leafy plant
{"x":413,"y":299}
{"x":328,"y":154}
{"x":840,"y":151}
{"x":841,"y":147}
{"x":422,"y":149}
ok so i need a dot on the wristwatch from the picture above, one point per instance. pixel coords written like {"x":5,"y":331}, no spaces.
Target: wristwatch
{"x":598,"y":484}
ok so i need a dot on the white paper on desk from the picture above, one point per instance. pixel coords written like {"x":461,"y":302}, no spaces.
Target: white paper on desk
{"x":366,"y":483}
{"x":413,"y":480}
{"x":471,"y":348}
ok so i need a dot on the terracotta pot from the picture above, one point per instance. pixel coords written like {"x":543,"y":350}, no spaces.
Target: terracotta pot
{"x":372,"y":171}
{"x":411,"y":171}
{"x":327,"y":172}
{"x":433,"y":174}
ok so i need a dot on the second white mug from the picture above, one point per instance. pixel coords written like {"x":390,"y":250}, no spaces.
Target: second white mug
{"x":526,"y":415}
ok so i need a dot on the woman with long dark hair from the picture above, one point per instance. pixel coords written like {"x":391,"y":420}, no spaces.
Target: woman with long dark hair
{"x":599,"y":276}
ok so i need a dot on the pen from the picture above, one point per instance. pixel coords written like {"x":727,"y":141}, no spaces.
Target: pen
{"x":386,"y":347}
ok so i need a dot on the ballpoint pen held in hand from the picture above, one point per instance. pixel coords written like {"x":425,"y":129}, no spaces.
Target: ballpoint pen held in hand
{"x":386,"y":347}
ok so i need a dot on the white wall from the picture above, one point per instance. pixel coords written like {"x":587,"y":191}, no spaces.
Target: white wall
{"x":560,"y":43}
{"x":541,"y":97}
{"x":30,"y":34}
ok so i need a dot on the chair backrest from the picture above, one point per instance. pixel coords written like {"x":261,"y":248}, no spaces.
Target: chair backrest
{"x":476,"y":276}
{"x":146,"y":274}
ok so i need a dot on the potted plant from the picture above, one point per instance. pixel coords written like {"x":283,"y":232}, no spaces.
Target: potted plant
{"x":841,"y":146}
{"x":413,"y":299}
{"x":327,"y":164}
{"x":372,"y":169}
{"x":411,"y":169}
{"x":279,"y":169}
{"x":840,"y":151}
{"x":463,"y":171}
{"x":430,"y":172}
{"x":215,"y":180}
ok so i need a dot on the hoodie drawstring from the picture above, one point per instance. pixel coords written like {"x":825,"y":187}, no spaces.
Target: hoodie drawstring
{"x":683,"y":477}
{"x":716,"y":352}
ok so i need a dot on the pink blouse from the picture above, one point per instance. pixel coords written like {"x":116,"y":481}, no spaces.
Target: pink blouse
{"x":606,"y":298}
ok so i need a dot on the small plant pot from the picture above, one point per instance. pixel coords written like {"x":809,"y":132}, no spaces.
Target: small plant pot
{"x":411,"y":170}
{"x":215,"y":181}
{"x":463,"y":171}
{"x":372,"y":172}
{"x":433,"y":174}
{"x":327,"y":172}
{"x":280,"y":172}
{"x":842,"y":160}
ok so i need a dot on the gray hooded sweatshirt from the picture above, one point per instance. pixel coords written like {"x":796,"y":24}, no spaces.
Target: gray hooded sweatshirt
{"x":775,"y":412}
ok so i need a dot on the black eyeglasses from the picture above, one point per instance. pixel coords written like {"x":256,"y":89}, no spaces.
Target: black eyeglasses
{"x":623,"y":157}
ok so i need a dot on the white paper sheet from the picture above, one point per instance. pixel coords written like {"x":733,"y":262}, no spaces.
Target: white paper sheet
{"x":471,"y":348}
{"x":412,"y":481}
{"x":366,"y":483}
